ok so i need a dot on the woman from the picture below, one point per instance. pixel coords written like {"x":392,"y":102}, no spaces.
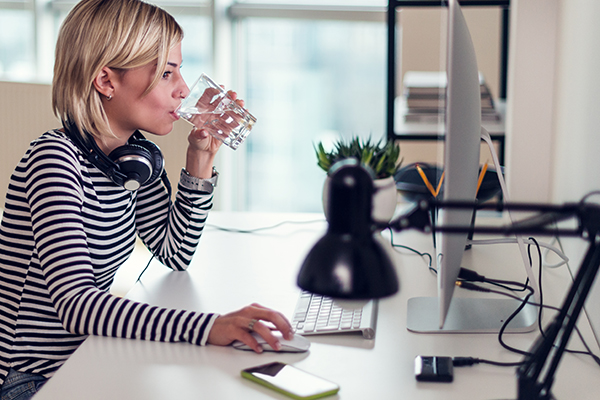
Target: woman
{"x":74,"y":205}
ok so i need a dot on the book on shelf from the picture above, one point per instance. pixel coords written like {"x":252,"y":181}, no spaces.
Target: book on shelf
{"x":436,"y":103}
{"x":432,"y":83}
{"x":425,"y":97}
{"x":435,"y":117}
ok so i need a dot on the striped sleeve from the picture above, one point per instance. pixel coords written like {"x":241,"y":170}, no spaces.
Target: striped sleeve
{"x":172,"y":231}
{"x":65,"y":224}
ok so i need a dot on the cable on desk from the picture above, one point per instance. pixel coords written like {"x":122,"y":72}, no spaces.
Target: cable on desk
{"x":234,"y":230}
{"x":548,"y":247}
{"x":144,"y":270}
{"x":423,"y":255}
{"x":262,"y":228}
{"x":468,"y":361}
{"x":469,"y":276}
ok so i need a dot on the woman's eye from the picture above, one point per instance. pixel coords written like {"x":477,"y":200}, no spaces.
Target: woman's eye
{"x":167,"y":74}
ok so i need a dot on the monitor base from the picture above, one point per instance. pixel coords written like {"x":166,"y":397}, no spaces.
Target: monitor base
{"x":469,"y":315}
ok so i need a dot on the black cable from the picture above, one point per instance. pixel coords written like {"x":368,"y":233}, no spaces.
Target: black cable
{"x":590,"y":194}
{"x":145,"y":268}
{"x":466,"y":276}
{"x":471,"y":286}
{"x":423,"y":255}
{"x":539,"y":282}
{"x":468,"y":361}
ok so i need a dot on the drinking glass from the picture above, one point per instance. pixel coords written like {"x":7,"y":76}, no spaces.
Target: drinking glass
{"x":209,"y":107}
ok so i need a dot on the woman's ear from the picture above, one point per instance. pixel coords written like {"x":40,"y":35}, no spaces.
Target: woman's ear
{"x":103,"y":82}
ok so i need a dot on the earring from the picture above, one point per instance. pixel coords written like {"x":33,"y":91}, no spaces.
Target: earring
{"x":109,"y":97}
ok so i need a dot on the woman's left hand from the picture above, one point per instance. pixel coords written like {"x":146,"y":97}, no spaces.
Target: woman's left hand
{"x":200,"y":138}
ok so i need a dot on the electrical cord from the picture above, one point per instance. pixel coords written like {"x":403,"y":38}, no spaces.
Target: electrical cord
{"x":422,"y":254}
{"x":467,"y":276}
{"x":547,"y":246}
{"x":262,"y":228}
{"x":588,"y":352}
{"x":468,"y":361}
{"x":524,"y":301}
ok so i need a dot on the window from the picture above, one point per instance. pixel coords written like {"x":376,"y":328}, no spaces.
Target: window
{"x":307,"y":81}
{"x":308,"y":71}
{"x":17,"y":56}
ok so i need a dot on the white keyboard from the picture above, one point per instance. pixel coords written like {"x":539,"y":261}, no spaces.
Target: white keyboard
{"x":317,"y":315}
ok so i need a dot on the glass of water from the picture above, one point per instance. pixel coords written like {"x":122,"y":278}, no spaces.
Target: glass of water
{"x":209,"y":107}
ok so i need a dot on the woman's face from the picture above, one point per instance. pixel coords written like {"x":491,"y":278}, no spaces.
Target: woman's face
{"x":129,"y":109}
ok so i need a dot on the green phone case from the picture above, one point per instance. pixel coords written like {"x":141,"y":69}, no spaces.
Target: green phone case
{"x":248,"y":375}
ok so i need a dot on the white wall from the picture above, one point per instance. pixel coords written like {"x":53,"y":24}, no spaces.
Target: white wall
{"x":554,"y":109}
{"x":576,"y":156}
{"x":577,"y":152}
{"x":530,"y":102}
{"x":25,"y":113}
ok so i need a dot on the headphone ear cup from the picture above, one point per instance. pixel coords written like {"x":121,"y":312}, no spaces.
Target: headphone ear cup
{"x":156,"y":158}
{"x":135,"y":163}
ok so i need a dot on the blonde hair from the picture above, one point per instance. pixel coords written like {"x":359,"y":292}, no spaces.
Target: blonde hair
{"x":119,"y":34}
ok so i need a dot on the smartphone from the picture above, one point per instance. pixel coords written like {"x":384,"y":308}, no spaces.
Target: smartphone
{"x":291,"y":381}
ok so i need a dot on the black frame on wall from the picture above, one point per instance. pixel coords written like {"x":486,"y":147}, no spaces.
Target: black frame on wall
{"x":391,"y":67}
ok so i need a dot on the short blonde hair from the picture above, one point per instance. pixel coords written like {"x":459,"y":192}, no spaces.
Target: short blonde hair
{"x":119,"y":34}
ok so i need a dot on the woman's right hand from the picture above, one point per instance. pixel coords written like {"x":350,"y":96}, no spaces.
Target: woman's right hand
{"x":238,"y":325}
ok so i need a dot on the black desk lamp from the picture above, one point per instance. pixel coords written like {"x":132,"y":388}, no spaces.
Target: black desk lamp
{"x":349,"y":263}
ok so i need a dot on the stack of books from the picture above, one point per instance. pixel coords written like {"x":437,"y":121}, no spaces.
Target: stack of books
{"x":425,"y":97}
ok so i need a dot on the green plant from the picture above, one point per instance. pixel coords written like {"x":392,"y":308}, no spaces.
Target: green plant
{"x":382,"y":158}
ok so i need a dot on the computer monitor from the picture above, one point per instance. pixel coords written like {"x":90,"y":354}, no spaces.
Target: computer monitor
{"x":461,"y":150}
{"x":447,"y":313}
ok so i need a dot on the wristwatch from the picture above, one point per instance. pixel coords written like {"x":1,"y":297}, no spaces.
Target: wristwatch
{"x":203,"y":185}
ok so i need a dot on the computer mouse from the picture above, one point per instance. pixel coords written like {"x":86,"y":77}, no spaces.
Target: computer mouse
{"x":298,"y":344}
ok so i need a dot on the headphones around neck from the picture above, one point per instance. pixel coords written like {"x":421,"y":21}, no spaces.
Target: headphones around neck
{"x":132,"y":165}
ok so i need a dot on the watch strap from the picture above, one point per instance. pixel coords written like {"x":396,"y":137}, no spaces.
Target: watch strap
{"x":194,"y":183}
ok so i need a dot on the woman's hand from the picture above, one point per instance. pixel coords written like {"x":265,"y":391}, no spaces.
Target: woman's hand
{"x":239,"y":324}
{"x":213,"y":121}
{"x":202,"y":146}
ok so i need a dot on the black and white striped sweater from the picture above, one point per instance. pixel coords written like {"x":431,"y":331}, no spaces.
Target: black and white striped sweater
{"x":66,"y":229}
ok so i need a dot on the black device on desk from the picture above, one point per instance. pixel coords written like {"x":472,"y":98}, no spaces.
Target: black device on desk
{"x":434,"y":369}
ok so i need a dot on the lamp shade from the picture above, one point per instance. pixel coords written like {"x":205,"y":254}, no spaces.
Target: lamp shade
{"x":348,"y":262}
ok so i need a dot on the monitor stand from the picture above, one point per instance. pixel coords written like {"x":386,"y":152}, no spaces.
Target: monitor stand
{"x":469,"y":315}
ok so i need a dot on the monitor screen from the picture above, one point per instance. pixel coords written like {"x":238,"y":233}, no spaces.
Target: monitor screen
{"x":446,"y":312}
{"x":461,"y":149}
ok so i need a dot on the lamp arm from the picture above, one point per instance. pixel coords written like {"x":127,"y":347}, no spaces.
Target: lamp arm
{"x":418,"y":217}
{"x":536,"y":375}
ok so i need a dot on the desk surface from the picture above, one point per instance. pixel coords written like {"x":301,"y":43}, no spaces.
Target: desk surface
{"x":232,"y":270}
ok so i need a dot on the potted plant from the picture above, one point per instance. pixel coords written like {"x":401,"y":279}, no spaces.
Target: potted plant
{"x":383,"y":158}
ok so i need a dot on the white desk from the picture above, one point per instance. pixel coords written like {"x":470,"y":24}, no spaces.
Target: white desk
{"x":232,"y":270}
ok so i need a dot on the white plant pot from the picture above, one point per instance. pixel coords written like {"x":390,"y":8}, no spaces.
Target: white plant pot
{"x":385,"y":198}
